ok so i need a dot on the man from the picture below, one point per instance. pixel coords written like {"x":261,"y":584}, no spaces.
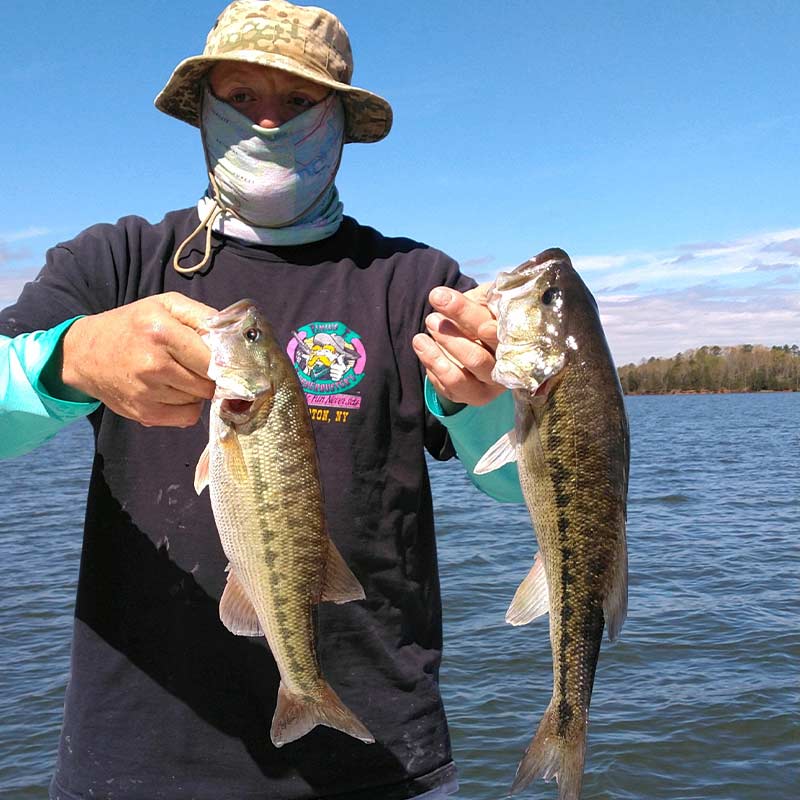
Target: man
{"x":163,"y":701}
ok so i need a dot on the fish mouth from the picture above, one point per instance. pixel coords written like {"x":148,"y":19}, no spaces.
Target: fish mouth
{"x":236,"y":400}
{"x":528,"y":366}
{"x":236,"y":407}
{"x":537,"y":391}
{"x":545,"y":388}
{"x":239,"y":410}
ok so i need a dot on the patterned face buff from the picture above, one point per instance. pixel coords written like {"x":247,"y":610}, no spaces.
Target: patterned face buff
{"x":274,"y":177}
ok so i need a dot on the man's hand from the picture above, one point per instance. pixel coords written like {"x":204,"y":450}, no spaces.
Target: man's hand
{"x":145,"y":361}
{"x":459,"y":352}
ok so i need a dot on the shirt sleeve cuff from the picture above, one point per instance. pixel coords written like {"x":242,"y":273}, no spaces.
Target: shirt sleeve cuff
{"x":39,"y":350}
{"x":474,"y":429}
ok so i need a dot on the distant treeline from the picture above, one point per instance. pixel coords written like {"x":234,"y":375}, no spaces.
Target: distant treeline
{"x":744,"y":368}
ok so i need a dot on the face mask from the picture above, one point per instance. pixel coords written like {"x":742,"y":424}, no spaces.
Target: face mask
{"x":273,"y":177}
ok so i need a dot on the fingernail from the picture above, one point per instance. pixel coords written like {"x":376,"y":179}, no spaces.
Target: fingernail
{"x":440,"y":297}
{"x":433,"y":321}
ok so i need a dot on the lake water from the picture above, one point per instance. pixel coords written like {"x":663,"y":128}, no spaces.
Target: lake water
{"x":697,"y":701}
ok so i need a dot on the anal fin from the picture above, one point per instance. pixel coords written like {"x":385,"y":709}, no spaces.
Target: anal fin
{"x":532,"y":599}
{"x":339,"y":584}
{"x":235,"y":609}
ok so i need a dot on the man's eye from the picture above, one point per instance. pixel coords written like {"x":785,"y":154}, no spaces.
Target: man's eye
{"x":239,"y":97}
{"x":300,"y":102}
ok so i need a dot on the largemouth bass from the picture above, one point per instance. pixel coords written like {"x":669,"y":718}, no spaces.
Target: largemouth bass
{"x":261,"y":469}
{"x":570,"y":440}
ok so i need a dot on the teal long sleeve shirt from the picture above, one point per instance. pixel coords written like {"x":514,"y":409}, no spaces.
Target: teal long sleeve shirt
{"x":474,"y":429}
{"x":29,"y":414}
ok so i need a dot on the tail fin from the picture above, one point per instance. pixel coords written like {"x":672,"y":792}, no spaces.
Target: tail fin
{"x":296,"y":715}
{"x":551,"y":756}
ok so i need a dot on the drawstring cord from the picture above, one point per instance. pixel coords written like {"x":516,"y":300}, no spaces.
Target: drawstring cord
{"x":208,"y":223}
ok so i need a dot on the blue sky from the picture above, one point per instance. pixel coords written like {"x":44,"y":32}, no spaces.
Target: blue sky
{"x":658,"y":143}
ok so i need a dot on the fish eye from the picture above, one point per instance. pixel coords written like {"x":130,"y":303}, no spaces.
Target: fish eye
{"x":550,"y":295}
{"x":252,"y":334}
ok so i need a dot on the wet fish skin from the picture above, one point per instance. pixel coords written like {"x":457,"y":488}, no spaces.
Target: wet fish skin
{"x":571,"y":443}
{"x":262,"y":471}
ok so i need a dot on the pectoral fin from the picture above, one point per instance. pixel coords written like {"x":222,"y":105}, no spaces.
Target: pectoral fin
{"x":233,"y":456}
{"x":339,"y":585}
{"x":531,"y":599}
{"x":235,"y":609}
{"x":502,"y":452}
{"x":201,"y":471}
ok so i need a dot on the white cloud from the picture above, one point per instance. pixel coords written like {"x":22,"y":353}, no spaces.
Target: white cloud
{"x":30,"y":232}
{"x":662,"y":325}
{"x":687,"y":263}
{"x":661,"y":302}
{"x":725,"y":293}
{"x":791,"y":246}
{"x":596,"y":263}
{"x":479,"y":262}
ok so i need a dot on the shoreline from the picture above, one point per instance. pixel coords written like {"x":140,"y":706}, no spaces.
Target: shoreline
{"x":711,"y":391}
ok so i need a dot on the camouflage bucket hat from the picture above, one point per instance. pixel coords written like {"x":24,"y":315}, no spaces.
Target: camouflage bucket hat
{"x":303,"y":40}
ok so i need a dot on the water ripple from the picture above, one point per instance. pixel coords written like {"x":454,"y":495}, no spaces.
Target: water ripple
{"x":698,"y":699}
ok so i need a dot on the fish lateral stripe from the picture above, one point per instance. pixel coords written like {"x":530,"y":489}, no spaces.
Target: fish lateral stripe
{"x":572,"y":457}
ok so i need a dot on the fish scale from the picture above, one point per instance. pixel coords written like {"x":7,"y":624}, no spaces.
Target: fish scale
{"x":287,"y":562}
{"x":262,"y":471}
{"x":571,"y":444}
{"x":575,"y":545}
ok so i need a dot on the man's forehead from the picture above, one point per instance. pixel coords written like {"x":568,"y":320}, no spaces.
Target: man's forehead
{"x":225,"y":70}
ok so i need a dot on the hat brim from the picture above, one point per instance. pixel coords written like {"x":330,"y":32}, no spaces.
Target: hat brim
{"x":368,"y":117}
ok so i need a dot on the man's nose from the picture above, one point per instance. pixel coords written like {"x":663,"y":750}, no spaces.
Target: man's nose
{"x":270,"y":113}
